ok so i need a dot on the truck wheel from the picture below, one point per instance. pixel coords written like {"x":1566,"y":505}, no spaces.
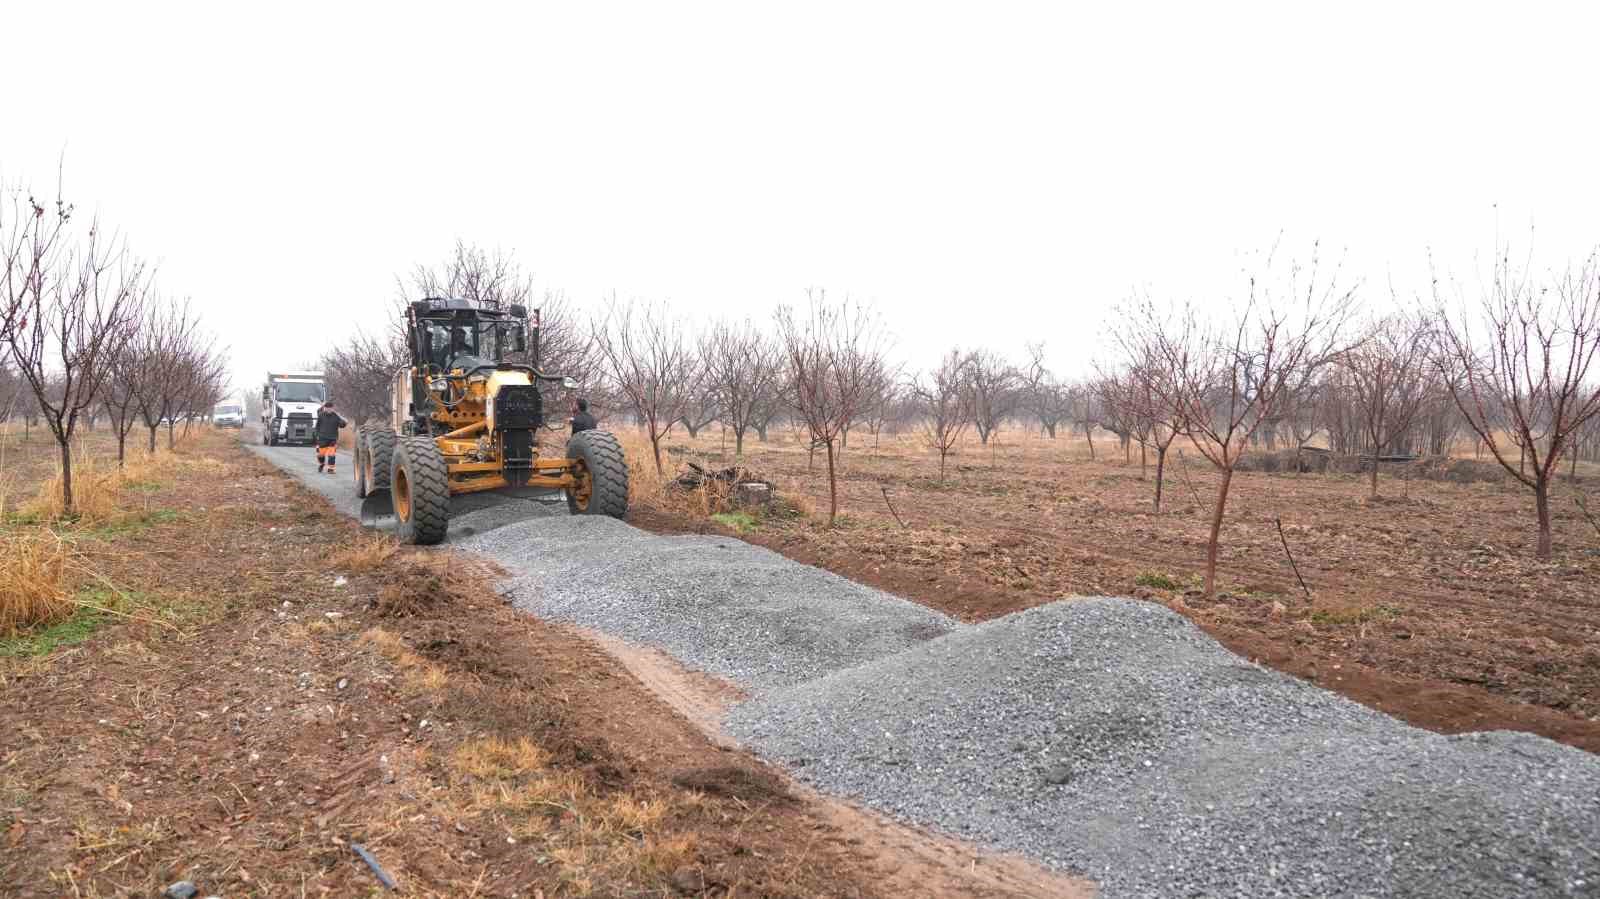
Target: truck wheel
{"x":420,"y":487}
{"x":600,"y":473}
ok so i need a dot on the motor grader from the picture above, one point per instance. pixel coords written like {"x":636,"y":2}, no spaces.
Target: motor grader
{"x":463,"y":419}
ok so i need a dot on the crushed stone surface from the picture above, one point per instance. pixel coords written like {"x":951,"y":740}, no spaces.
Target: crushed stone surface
{"x":716,"y":604}
{"x":1113,"y":738}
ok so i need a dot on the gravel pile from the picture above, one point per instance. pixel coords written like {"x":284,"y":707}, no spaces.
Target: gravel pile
{"x":477,"y":513}
{"x":1113,"y":739}
{"x":716,"y":604}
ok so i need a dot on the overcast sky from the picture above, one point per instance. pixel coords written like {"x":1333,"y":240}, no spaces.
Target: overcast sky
{"x":985,"y":173}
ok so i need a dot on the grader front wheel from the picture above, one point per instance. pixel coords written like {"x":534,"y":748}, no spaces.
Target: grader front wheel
{"x":600,"y":473}
{"x":420,"y":488}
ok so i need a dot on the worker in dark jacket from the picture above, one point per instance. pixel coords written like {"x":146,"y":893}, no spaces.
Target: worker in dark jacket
{"x":581,"y":419}
{"x":328,"y":425}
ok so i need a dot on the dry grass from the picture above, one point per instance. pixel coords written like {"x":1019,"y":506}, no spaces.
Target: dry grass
{"x":34,"y":581}
{"x":597,"y":838}
{"x":418,"y":581}
{"x":419,"y":673}
{"x":368,"y":553}
{"x":103,"y":491}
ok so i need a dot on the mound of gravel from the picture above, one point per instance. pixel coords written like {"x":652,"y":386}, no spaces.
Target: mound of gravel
{"x":716,"y":604}
{"x":1113,"y":739}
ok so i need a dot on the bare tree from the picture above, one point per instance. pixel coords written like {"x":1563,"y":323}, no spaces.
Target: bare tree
{"x":204,"y":367}
{"x":745,"y":368}
{"x":647,"y":360}
{"x":994,"y":383}
{"x":883,"y":397}
{"x":704,"y":404}
{"x":944,"y":399}
{"x":1085,"y":410}
{"x":117,"y":396}
{"x":834,"y":352}
{"x":1116,"y":394}
{"x":1388,"y":379}
{"x":360,"y":373}
{"x":1224,"y":381}
{"x":1526,"y":382}
{"x":159,"y":364}
{"x":68,"y":318}
{"x":1045,"y":397}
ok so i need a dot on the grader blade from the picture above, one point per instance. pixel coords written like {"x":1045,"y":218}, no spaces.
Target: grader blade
{"x":377,"y":510}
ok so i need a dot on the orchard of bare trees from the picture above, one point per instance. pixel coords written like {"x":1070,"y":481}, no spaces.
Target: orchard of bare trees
{"x":85,"y":335}
{"x":1293,"y":363}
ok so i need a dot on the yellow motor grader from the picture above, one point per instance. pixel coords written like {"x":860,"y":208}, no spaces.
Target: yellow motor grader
{"x":463,"y":419}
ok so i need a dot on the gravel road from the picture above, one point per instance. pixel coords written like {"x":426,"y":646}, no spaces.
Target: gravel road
{"x":1112,"y":738}
{"x":716,"y":604}
{"x":1106,"y":737}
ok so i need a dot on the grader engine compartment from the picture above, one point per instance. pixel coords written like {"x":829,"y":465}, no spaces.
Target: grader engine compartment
{"x":466,"y":416}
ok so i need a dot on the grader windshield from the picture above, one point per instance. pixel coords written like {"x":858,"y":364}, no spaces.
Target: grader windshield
{"x":465,"y":340}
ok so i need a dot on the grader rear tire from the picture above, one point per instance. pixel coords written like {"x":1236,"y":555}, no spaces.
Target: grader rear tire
{"x":420,"y":488}
{"x":380,"y":457}
{"x":601,"y":472}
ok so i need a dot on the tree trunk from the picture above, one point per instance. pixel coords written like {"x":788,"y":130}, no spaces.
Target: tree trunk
{"x":942,"y":454}
{"x":738,"y":443}
{"x":833,"y":488}
{"x":66,"y":479}
{"x":1144,"y":463}
{"x":1541,"y":502}
{"x":122,"y":447}
{"x":1050,"y":428}
{"x":1088,"y":432}
{"x":1216,"y":532}
{"x":1374,"y":475}
{"x":655,"y":448}
{"x":153,"y":429}
{"x":172,"y":442}
{"x":1161,"y":473}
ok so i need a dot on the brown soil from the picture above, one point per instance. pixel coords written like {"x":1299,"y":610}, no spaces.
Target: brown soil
{"x":265,"y":716}
{"x":1426,"y":603}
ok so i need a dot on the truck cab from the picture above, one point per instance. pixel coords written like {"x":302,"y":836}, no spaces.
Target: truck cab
{"x":289,"y":404}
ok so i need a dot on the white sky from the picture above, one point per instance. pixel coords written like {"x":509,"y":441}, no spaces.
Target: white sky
{"x":987,"y":173}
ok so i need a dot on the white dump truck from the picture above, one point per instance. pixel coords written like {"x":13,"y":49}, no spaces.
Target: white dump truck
{"x":289,"y":403}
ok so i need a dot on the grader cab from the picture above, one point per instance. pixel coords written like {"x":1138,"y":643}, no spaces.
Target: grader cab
{"x":463,"y":419}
